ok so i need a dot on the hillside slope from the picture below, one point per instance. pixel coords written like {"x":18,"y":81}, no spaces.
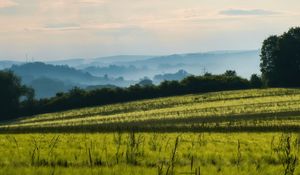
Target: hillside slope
{"x":243,"y":110}
{"x":47,"y":79}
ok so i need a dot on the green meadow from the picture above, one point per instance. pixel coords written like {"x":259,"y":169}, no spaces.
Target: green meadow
{"x":147,"y":153}
{"x":231,"y":132}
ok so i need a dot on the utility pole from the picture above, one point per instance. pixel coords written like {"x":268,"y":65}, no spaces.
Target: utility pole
{"x":204,"y":70}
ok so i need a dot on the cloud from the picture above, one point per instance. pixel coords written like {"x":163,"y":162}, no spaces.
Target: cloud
{"x":61,"y":25}
{"x":91,"y":2}
{"x":249,"y":12}
{"x":7,"y":3}
{"x":55,"y":27}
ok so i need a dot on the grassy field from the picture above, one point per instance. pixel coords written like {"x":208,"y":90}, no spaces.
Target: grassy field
{"x":148,"y":153}
{"x":230,"y":132}
{"x":245,"y":110}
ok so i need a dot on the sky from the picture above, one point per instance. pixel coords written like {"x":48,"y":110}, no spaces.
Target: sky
{"x":62,"y":29}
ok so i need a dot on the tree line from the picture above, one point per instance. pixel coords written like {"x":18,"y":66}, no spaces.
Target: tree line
{"x":280,"y":67}
{"x":17,"y":99}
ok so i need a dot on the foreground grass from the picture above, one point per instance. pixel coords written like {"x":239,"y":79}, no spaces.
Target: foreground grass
{"x":243,"y":110}
{"x":146,"y":153}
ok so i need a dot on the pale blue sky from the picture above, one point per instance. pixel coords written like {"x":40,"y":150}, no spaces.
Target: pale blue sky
{"x":48,"y":29}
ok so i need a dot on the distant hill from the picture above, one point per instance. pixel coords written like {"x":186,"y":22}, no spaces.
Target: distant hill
{"x":8,"y":64}
{"x":181,"y":74}
{"x":115,"y":70}
{"x":192,"y":58}
{"x":48,"y":79}
{"x":31,"y":71}
{"x":135,"y":67}
{"x":47,"y":87}
{"x":244,"y":62}
{"x":99,"y":62}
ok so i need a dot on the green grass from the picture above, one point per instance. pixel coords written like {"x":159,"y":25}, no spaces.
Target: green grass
{"x":232,"y":132}
{"x":143,"y":153}
{"x":245,"y":110}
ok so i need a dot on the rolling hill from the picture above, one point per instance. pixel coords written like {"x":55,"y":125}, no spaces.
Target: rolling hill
{"x":100,"y":61}
{"x":245,"y":62}
{"x":49,"y":79}
{"x":126,"y":70}
{"x":5,"y":64}
{"x":242,"y":110}
{"x":135,"y":67}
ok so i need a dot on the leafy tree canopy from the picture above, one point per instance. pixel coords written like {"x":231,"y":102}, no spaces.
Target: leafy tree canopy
{"x":11,"y":93}
{"x":280,"y":59}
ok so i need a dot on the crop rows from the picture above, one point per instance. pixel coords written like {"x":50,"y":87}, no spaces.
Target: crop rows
{"x":270,"y":108}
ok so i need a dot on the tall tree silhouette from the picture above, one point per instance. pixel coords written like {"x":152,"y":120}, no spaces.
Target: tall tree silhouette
{"x":280,"y":59}
{"x":11,"y":91}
